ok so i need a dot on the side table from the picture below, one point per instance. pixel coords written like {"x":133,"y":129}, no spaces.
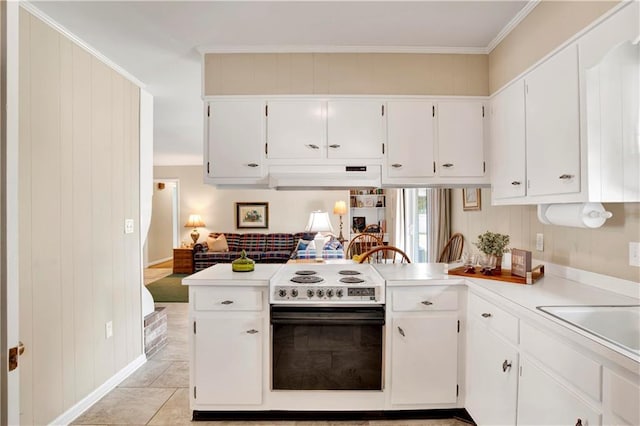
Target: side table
{"x":183,"y":261}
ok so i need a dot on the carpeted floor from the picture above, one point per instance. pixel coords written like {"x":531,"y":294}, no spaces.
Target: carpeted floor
{"x":169,"y":289}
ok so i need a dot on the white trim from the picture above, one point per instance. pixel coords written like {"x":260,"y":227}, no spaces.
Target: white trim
{"x":29,"y":7}
{"x":329,"y":96}
{"x":155,"y":262}
{"x":80,"y":407}
{"x":340,"y":49}
{"x":531,"y":4}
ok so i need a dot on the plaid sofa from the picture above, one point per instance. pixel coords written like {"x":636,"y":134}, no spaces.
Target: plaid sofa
{"x":262,"y":248}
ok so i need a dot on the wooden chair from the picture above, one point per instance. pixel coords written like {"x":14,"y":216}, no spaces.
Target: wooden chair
{"x":361,"y":243}
{"x":452,"y":251}
{"x":385,"y":254}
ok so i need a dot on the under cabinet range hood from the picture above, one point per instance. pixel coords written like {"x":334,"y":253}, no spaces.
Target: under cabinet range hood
{"x":325,"y":177}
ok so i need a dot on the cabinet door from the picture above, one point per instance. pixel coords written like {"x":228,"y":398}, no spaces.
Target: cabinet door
{"x":236,"y":138}
{"x":543,"y":401}
{"x":508,"y":142}
{"x":354,"y":129}
{"x":492,"y":390}
{"x":296,"y":129}
{"x":553,"y":126}
{"x":227,"y":364}
{"x":424,"y":359}
{"x":460,"y":138}
{"x":410,"y":139}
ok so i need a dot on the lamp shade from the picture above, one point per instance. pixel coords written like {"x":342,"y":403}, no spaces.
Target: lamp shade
{"x":340,"y":208}
{"x":194,"y":221}
{"x":319,"y":222}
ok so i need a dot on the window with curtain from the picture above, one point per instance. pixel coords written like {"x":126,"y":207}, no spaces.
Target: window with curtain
{"x":423,"y":222}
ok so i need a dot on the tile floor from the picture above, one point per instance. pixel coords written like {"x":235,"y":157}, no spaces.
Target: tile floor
{"x":157,"y":394}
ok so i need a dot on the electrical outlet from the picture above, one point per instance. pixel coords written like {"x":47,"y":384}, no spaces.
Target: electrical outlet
{"x":634,"y":254}
{"x":128,"y":226}
{"x":540,"y":242}
{"x":108,"y":329}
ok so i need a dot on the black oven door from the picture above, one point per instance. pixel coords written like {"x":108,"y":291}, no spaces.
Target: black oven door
{"x":327,"y":348}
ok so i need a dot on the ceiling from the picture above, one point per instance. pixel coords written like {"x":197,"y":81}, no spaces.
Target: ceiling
{"x":158,"y":43}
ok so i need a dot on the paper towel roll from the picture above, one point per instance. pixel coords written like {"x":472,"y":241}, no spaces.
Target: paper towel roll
{"x":578,"y":215}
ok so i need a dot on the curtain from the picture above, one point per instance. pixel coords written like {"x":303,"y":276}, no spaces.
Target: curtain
{"x":438,"y":221}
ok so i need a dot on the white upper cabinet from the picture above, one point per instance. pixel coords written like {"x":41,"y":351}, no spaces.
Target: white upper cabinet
{"x":410,"y":139}
{"x":460,"y":128}
{"x":296,"y":129}
{"x":508,"y":177}
{"x":553,"y":125}
{"x":355,"y":129}
{"x":235,"y":134}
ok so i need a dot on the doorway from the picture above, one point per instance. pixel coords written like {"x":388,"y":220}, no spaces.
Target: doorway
{"x":164,"y":228}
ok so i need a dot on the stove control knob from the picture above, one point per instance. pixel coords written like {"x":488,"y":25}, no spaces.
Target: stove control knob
{"x":309,"y":293}
{"x":320,"y":293}
{"x":330,"y":292}
{"x":294,"y":292}
{"x":339,"y":292}
{"x":282,"y":292}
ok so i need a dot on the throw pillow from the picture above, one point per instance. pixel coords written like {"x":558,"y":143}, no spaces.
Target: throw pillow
{"x":218,"y":244}
{"x":305,"y":245}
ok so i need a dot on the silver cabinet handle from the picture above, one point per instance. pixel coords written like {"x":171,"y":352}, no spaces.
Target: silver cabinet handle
{"x":447,"y":165}
{"x":335,"y":145}
{"x":565,"y":176}
{"x":486,"y":315}
{"x":515,"y":183}
{"x":426,"y":303}
{"x":313,"y":146}
{"x":227,"y":302}
{"x":401,"y":331}
{"x":506,"y":365}
{"x":252,"y":331}
{"x":252,"y":165}
{"x":396,"y":165}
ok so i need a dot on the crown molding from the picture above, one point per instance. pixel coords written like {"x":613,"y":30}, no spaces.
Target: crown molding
{"x":340,"y":49}
{"x":531,"y":4}
{"x":29,"y":7}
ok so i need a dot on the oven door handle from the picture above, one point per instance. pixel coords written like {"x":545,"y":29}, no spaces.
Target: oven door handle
{"x":310,"y":320}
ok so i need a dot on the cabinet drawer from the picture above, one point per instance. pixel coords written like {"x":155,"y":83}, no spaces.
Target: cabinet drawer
{"x":497,"y":319}
{"x":424,"y":299}
{"x":620,"y":399}
{"x":228,"y":299}
{"x":580,"y":371}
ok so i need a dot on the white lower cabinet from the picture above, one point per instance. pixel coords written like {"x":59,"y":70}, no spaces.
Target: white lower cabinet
{"x":227,"y":366}
{"x":544,"y":401}
{"x":620,"y":399}
{"x":228,"y":330}
{"x":423,"y":334}
{"x":492,"y":377}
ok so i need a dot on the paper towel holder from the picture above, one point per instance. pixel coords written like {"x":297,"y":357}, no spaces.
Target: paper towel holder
{"x":579,"y":215}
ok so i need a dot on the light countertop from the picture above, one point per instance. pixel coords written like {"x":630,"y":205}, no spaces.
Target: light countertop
{"x":222,"y":275}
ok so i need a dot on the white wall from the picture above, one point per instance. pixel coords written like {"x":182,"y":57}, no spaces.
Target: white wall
{"x":288,"y":210}
{"x":160,"y":237}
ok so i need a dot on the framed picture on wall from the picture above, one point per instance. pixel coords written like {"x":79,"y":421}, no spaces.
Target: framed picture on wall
{"x":471,"y":199}
{"x":252,"y":215}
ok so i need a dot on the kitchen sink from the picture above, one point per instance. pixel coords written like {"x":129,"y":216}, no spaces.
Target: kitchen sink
{"x":618,"y":324}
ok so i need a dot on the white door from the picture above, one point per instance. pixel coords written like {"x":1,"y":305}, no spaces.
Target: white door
{"x":508,"y":142}
{"x":460,"y":138}
{"x":9,"y":287}
{"x":553,"y":125}
{"x":355,"y":129}
{"x":296,"y":129}
{"x":235,"y":138}
{"x":492,"y":378}
{"x":424,"y":359}
{"x":227,"y":364}
{"x":410,"y":139}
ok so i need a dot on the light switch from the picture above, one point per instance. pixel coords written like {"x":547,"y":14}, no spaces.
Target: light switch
{"x":108,"y":329}
{"x":128,"y":226}
{"x":540,"y":242}
{"x":634,"y":254}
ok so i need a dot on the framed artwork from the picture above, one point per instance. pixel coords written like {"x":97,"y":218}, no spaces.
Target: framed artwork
{"x":359,"y":223}
{"x":471,"y":198}
{"x":252,"y":215}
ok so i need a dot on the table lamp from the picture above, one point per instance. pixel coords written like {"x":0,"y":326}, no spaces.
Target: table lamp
{"x":340,"y":208}
{"x":195,"y":221}
{"x":319,"y":222}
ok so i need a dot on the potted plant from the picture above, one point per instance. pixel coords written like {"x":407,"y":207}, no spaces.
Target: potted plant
{"x":493,"y":244}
